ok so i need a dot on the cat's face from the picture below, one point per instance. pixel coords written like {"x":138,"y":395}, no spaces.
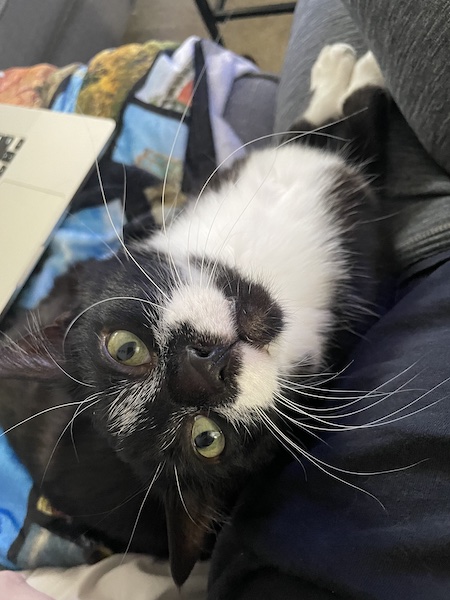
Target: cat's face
{"x":175,"y":369}
{"x":184,"y":374}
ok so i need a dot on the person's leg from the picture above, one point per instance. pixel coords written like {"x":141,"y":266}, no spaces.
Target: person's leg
{"x":370,"y":519}
{"x":316,"y":24}
{"x":322,"y":538}
{"x":416,"y":201}
{"x":411,"y":40}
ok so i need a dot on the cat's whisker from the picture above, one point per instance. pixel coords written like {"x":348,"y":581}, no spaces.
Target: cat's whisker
{"x":177,"y":480}
{"x":363,"y":473}
{"x":298,"y":425}
{"x":66,"y":373}
{"x":166,"y":173}
{"x":345,"y":405}
{"x":106,"y":513}
{"x":11,"y":342}
{"x":295,"y":449}
{"x":33,"y":331}
{"x":158,"y":471}
{"x":382,"y":420}
{"x":69,"y":424}
{"x":319,"y":385}
{"x":379,"y":422}
{"x":124,"y":198}
{"x":318,"y":394}
{"x":221,"y":164}
{"x":95,"y":234}
{"x":38,"y":414}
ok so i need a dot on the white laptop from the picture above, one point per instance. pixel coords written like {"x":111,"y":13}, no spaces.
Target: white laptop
{"x":45,"y":157}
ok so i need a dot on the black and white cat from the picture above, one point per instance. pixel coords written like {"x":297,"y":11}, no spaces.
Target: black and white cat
{"x":168,"y":371}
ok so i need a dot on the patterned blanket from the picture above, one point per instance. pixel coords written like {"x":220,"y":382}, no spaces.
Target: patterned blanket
{"x":168,"y":103}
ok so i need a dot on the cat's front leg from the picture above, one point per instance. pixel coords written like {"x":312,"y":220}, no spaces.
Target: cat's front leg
{"x":349,"y":107}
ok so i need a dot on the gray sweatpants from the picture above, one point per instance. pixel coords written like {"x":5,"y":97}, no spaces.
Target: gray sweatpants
{"x":411,"y":40}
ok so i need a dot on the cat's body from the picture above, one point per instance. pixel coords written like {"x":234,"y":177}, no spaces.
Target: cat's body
{"x":249,"y":288}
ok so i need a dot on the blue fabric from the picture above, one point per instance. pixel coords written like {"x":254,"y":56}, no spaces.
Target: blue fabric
{"x":146,"y":141}
{"x":66,"y":101}
{"x":84,"y":235}
{"x":14,"y":491}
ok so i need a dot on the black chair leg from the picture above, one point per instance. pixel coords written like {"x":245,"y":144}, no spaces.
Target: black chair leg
{"x":209,"y":20}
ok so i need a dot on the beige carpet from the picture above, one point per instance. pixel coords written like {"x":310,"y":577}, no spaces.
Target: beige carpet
{"x":263,"y":38}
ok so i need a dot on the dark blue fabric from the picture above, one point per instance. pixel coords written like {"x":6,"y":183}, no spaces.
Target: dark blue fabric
{"x":307,"y":535}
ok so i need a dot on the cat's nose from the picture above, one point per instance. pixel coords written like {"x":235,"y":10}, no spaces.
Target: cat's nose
{"x":207,"y":368}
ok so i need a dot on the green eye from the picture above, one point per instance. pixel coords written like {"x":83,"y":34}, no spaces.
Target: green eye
{"x":127,"y":349}
{"x":207,"y":438}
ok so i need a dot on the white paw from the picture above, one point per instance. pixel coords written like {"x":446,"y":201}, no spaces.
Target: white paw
{"x":330,"y":78}
{"x":366,"y":72}
{"x":333,"y":67}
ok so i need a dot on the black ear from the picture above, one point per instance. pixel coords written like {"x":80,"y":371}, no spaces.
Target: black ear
{"x":38,"y":356}
{"x":187,"y":531}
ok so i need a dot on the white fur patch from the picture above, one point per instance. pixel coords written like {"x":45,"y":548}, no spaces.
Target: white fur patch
{"x":257,"y":384}
{"x":205,"y":309}
{"x":330,"y":79}
{"x":127,"y":408}
{"x":335,"y":76}
{"x":275,"y":227}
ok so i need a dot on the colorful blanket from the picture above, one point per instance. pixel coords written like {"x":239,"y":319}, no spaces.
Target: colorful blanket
{"x":168,"y":102}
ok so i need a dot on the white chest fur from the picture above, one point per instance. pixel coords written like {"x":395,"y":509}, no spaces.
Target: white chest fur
{"x":275,"y":226}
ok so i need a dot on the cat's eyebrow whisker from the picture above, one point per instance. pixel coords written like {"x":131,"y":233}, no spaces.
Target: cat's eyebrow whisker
{"x":158,"y":471}
{"x":66,"y":373}
{"x":113,"y":298}
{"x":166,"y":173}
{"x":120,"y":238}
{"x":40,"y":341}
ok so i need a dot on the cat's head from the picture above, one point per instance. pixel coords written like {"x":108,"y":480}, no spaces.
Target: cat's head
{"x":176,"y":368}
